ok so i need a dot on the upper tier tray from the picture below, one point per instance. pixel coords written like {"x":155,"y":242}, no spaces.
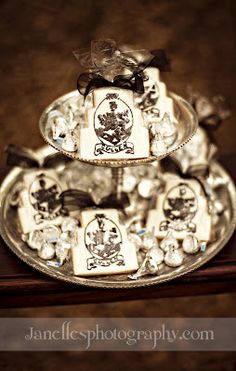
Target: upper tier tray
{"x":184,"y":113}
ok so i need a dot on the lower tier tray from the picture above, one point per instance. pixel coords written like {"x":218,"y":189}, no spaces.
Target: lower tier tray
{"x":10,"y":231}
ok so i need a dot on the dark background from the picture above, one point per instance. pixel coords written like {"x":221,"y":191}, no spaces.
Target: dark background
{"x":37,"y":66}
{"x":38,"y":37}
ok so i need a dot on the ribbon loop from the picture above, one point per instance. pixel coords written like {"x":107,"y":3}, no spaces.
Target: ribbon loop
{"x":160,"y":60}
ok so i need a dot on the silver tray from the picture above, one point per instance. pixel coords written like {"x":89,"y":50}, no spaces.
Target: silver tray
{"x":184,"y":113}
{"x":10,"y":232}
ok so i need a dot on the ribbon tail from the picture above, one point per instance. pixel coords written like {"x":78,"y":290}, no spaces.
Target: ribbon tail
{"x":27,"y":159}
{"x":73,"y":199}
{"x":20,"y":156}
{"x":138,"y":84}
{"x":55,"y":159}
{"x":113,"y":202}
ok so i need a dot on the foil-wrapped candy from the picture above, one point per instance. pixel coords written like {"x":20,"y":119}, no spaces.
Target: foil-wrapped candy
{"x":151,"y":263}
{"x":174,"y":258}
{"x":190,"y":244}
{"x":54,"y":240}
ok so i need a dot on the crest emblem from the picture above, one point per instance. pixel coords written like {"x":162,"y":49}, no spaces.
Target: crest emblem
{"x":103,"y":240}
{"x":43,"y":196}
{"x":179,"y":207}
{"x":113,"y":122}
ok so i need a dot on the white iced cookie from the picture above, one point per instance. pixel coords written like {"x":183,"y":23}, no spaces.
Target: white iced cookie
{"x":154,"y":81}
{"x":154,"y":89}
{"x":103,"y":246}
{"x":155,"y":95}
{"x":38,"y":200}
{"x":182,"y":209}
{"x":166,"y":105}
{"x":114,"y":127}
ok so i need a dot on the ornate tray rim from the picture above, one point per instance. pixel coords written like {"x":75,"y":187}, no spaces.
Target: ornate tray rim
{"x":94,"y":281}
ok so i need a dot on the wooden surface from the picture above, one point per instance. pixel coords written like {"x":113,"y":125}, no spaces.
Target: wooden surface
{"x":21,"y":286}
{"x":37,"y":65}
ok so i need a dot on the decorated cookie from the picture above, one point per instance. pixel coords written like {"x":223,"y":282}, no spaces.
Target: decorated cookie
{"x":181,"y":209}
{"x":115,"y":128}
{"x":103,"y":247}
{"x":39,"y":204}
{"x":154,"y":89}
{"x":155,"y":99}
